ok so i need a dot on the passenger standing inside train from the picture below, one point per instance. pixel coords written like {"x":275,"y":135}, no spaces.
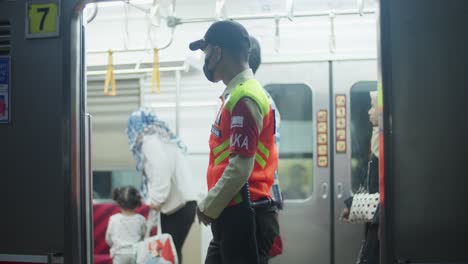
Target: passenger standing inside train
{"x":243,"y":155}
{"x":125,"y":228}
{"x":369,"y":253}
{"x":255,"y":59}
{"x":168,"y":185}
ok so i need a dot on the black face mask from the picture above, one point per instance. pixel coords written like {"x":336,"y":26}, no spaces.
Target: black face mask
{"x":209,"y":73}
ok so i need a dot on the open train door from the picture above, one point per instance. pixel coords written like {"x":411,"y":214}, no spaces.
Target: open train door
{"x":44,"y":157}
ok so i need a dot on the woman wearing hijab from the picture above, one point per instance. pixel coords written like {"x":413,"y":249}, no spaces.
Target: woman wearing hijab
{"x":369,"y":253}
{"x":167,"y":186}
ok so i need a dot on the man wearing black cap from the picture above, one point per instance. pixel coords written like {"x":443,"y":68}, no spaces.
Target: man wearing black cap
{"x":243,"y":155}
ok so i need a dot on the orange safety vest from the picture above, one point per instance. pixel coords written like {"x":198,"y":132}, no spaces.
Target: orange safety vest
{"x":266,"y":157}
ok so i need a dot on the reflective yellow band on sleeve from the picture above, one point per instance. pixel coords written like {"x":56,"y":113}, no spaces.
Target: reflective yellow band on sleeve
{"x":221,"y":157}
{"x":263,"y":149}
{"x":260,"y":160}
{"x":221,"y":147}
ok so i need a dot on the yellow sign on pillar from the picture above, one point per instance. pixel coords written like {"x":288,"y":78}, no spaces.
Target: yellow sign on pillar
{"x":43,"y":20}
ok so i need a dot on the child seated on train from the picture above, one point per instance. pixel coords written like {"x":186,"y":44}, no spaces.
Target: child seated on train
{"x":125,"y":228}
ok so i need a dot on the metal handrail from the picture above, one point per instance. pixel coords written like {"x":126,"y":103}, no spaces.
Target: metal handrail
{"x":135,"y":71}
{"x":282,"y":15}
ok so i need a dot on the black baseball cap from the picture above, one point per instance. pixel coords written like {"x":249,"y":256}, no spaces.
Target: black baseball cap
{"x":226,"y":34}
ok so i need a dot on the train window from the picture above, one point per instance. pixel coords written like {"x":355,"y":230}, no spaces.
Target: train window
{"x":361,"y":131}
{"x":295,"y":168}
{"x":104,"y":182}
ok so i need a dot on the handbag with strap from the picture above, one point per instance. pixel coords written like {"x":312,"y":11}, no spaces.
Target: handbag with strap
{"x":364,"y":207}
{"x":158,"y":249}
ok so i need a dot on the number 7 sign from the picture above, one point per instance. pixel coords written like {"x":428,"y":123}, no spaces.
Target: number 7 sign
{"x":43,"y":19}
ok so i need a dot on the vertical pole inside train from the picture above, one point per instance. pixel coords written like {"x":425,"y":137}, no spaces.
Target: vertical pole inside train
{"x":332,"y":162}
{"x":177,"y":106}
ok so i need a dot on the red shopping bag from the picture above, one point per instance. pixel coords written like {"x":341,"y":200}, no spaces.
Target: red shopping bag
{"x":158,"y":249}
{"x":277,"y":246}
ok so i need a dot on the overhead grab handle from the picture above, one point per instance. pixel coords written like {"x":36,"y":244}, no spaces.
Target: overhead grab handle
{"x":277,"y":33}
{"x":221,"y":10}
{"x":110,"y":77}
{"x":290,"y":9}
{"x":361,"y":4}
{"x":332,"y":38}
{"x":153,"y":14}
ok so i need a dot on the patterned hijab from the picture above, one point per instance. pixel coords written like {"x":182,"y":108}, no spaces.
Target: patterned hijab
{"x":144,"y":122}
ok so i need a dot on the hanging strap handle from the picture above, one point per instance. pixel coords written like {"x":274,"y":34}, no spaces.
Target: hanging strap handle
{"x":156,"y":78}
{"x":153,"y":216}
{"x":110,"y":77}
